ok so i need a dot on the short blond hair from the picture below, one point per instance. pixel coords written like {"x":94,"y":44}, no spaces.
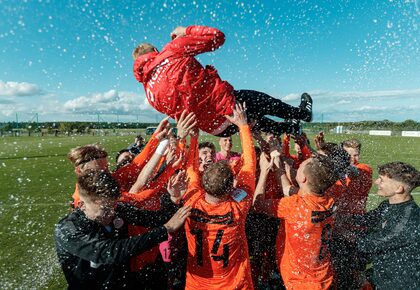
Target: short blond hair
{"x":321,"y":173}
{"x":141,"y":49}
{"x":83,"y":154}
{"x":352,"y":143}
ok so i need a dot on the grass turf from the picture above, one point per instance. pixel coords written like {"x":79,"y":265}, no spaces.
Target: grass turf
{"x":37,"y":181}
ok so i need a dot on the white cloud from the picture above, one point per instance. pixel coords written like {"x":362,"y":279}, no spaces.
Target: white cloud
{"x":352,"y":95}
{"x":112,"y":105}
{"x":15,"y":89}
{"x":371,"y":108}
{"x":110,"y":102}
{"x":343,"y":102}
{"x":290,"y":97}
{"x":397,"y":105}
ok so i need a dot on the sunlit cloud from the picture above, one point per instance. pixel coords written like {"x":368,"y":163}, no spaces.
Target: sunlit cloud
{"x":110,"y":102}
{"x":396,"y":105}
{"x":15,"y":89}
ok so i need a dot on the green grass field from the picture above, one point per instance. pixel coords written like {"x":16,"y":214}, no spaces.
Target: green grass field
{"x":37,"y":181}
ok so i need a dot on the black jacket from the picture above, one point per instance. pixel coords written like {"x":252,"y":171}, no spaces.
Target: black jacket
{"x":95,"y":257}
{"x":392,"y":244}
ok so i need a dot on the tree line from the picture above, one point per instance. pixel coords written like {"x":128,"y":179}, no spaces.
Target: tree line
{"x":86,"y":127}
{"x":407,"y":125}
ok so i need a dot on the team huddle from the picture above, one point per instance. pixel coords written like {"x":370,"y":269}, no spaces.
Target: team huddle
{"x":175,"y":214}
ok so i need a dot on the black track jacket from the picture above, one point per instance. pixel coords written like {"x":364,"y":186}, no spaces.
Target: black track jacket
{"x":96,"y":257}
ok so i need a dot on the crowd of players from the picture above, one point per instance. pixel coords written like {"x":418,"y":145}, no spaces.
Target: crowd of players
{"x":174,"y":214}
{"x":179,"y":215}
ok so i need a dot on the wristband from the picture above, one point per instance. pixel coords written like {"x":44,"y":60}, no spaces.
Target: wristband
{"x":162,"y":146}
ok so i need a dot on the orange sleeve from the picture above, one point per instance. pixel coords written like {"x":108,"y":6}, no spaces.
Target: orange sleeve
{"x":161,"y":161}
{"x":306,"y":153}
{"x":76,"y":197}
{"x":246,"y":176}
{"x":139,"y":198}
{"x":152,"y":189}
{"x":366,"y":173}
{"x":143,"y":157}
{"x":182,"y":145}
{"x":194,"y":183}
{"x":192,"y":164}
{"x":163,"y":178}
{"x":127,"y":175}
{"x":286,"y":146}
{"x":236,"y":165}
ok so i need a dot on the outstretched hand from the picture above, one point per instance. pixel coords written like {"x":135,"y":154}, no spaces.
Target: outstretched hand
{"x":319,"y":140}
{"x":162,"y":129}
{"x":301,"y":140}
{"x":185,"y":123}
{"x":178,"y":219}
{"x":177,"y":32}
{"x":266,"y":162}
{"x":239,"y":115}
{"x":177,"y":184}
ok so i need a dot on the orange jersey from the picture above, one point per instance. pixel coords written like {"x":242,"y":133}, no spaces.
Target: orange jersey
{"x":273,"y":189}
{"x":127,"y":175}
{"x":149,"y":199}
{"x":217,"y":249}
{"x":351,"y":194}
{"x":308,"y":220}
{"x":297,"y":160}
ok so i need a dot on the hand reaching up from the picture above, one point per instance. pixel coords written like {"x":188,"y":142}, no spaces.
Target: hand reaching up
{"x":177,"y":32}
{"x":319,"y":140}
{"x":162,"y":129}
{"x":239,"y":115}
{"x":266,"y":163}
{"x":185,"y":124}
{"x":177,"y":184}
{"x":178,"y":219}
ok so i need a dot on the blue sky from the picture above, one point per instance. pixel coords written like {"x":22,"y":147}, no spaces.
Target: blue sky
{"x":71,"y":60}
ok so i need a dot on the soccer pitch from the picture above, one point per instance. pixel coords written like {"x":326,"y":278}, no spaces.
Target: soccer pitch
{"x":37,"y":181}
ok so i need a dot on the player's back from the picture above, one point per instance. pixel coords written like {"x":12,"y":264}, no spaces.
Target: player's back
{"x":308,"y":224}
{"x":217,"y":248}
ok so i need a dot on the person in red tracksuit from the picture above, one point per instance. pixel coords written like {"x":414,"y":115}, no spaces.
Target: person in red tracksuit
{"x":175,"y":81}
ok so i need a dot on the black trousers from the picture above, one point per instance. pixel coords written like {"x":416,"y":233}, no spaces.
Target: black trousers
{"x":347,"y":261}
{"x":259,"y":105}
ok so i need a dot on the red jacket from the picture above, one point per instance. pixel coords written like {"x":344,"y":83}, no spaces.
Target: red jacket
{"x":174,"y":80}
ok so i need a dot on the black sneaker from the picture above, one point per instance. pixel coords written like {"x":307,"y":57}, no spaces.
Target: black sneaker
{"x":294,"y":127}
{"x":306,"y":107}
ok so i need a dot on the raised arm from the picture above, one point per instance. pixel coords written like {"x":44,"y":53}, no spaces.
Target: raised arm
{"x":127,"y":175}
{"x":155,"y":187}
{"x":146,"y":173}
{"x":285,"y":150}
{"x":192,"y":163}
{"x":265,"y":167}
{"x":194,"y":40}
{"x":246,"y":176}
{"x":302,"y":141}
